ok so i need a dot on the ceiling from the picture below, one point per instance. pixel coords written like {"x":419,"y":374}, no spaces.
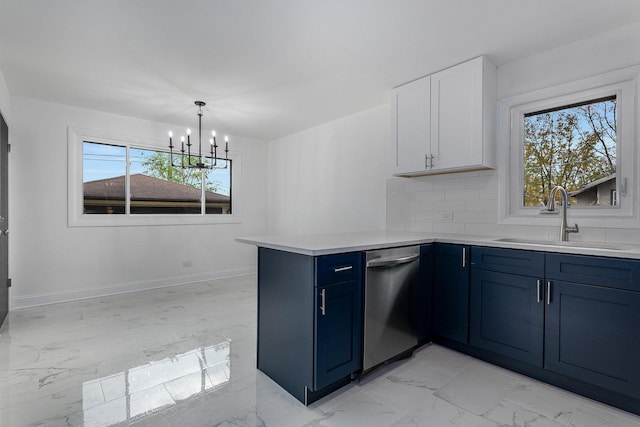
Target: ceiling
{"x":273,"y":67}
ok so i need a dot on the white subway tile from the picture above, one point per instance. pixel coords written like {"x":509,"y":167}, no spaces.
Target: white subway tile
{"x":461,"y":195}
{"x":427,"y":205}
{"x":525,"y":232}
{"x":482,"y":205}
{"x":446,"y":182}
{"x":423,"y":227}
{"x":587,"y":234}
{"x":491,"y":230}
{"x":621,"y":235}
{"x":423,"y":216}
{"x":487,"y":217}
{"x":419,"y":184}
{"x":465,"y":217}
{"x":448,"y":227}
{"x":449,"y":205}
{"x":429,"y":195}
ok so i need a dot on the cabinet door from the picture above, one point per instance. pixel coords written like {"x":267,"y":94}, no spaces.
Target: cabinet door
{"x":451,"y":292}
{"x":507,"y":315}
{"x":338,"y":334}
{"x":457,"y":116}
{"x":591,"y":334}
{"x":410,"y":126}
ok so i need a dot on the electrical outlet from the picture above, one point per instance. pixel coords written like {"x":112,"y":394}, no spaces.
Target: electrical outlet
{"x":446,"y":216}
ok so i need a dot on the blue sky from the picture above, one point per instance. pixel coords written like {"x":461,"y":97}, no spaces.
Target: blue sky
{"x":102,"y":161}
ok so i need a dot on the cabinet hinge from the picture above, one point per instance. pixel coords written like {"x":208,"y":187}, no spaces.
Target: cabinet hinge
{"x":8,"y":148}
{"x":8,"y":283}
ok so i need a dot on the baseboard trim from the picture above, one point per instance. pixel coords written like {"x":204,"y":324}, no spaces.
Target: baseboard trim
{"x":34,"y":300}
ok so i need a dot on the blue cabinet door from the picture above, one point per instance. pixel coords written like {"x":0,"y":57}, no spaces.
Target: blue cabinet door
{"x":507,"y":315}
{"x":592,"y":334}
{"x":451,"y":292}
{"x":338,"y":332}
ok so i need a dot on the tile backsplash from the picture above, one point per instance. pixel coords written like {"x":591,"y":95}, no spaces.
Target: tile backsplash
{"x":467,"y":203}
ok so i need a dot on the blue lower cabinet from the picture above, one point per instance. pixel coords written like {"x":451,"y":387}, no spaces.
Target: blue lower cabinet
{"x":507,"y":315}
{"x":338,"y":332}
{"x":592,"y":334}
{"x":451,"y":292}
{"x":309,"y":320}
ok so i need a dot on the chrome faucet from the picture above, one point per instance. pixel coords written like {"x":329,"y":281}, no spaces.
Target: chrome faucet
{"x":551,"y":207}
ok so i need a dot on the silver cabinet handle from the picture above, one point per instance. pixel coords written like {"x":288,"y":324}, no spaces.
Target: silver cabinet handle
{"x":464,"y":257}
{"x":339,"y":269}
{"x":322,"y":301}
{"x":548,"y":292}
{"x":428,"y":161}
{"x":539,"y":290}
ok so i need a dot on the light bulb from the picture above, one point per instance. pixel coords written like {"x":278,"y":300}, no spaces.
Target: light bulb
{"x":182,"y":138}
{"x":188,"y":131}
{"x":213,"y":133}
{"x":211,"y":141}
{"x":170,"y":134}
{"x":226,"y":138}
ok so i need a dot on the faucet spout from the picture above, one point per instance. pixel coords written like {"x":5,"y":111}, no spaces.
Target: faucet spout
{"x":564,"y":228}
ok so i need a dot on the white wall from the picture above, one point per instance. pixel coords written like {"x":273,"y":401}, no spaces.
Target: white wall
{"x":51,"y":262}
{"x":331,"y":178}
{"x":416,"y":204}
{"x":595,"y":55}
{"x":4,"y":99}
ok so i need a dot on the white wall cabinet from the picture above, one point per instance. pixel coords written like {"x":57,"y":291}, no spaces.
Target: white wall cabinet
{"x":445,"y":122}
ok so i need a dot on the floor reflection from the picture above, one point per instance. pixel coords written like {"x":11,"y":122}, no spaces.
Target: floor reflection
{"x":144,"y":389}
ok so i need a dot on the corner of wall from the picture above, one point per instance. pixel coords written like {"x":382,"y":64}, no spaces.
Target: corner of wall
{"x":4,"y":99}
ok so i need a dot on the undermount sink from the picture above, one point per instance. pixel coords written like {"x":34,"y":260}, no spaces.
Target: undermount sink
{"x":592,"y":245}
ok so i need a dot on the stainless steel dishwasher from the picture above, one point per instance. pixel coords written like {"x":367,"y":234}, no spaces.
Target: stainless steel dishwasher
{"x":390,"y":277}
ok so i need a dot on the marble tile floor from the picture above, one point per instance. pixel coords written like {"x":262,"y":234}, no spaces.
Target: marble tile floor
{"x":185,"y":356}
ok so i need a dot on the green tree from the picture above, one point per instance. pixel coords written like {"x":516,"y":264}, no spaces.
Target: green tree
{"x":158,"y":166}
{"x":571,"y":147}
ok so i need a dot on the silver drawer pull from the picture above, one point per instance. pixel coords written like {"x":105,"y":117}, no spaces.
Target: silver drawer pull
{"x":548,"y":293}
{"x":322,"y":301}
{"x":339,"y":269}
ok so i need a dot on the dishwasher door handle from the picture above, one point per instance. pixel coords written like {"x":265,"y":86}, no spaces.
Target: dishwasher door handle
{"x":389,"y":262}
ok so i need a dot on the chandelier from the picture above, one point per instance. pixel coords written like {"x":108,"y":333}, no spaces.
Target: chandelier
{"x":189,"y":161}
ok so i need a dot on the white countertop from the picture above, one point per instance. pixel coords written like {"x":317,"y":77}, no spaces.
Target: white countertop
{"x":334,"y":243}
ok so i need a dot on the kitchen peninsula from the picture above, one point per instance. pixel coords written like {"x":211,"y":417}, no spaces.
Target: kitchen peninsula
{"x":512,"y":302}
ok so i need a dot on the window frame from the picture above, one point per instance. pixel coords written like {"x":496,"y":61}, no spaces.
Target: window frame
{"x":621,"y":83}
{"x":76,"y":217}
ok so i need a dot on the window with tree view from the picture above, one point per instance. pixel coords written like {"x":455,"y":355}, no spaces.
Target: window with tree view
{"x":573,"y":146}
{"x":154,"y":186}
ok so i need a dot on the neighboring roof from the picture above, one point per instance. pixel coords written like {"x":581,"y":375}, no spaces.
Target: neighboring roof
{"x":592,"y":184}
{"x":144,"y":187}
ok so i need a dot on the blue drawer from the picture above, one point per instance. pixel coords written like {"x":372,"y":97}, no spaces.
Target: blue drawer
{"x":512,"y":261}
{"x":591,"y":270}
{"x":338,"y":268}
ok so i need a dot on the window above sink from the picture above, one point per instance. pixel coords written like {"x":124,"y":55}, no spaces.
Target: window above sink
{"x":580,"y":135}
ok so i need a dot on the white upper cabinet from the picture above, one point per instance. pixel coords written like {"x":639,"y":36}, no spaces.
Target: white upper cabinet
{"x":411,"y":123}
{"x":446,"y":122}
